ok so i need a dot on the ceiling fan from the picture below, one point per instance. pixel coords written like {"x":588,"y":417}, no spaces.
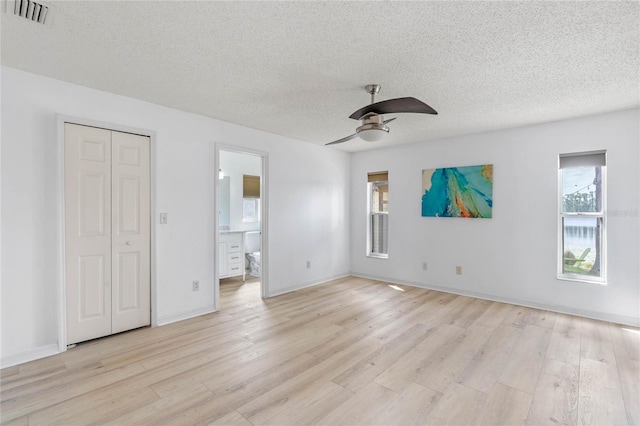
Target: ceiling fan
{"x":374,"y":126}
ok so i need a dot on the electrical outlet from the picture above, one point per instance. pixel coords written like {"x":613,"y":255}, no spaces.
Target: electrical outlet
{"x":424,"y":266}
{"x":308,"y":264}
{"x":458,"y":270}
{"x":196,"y":286}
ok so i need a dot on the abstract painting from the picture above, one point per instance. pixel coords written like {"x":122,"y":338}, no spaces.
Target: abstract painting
{"x":458,"y":191}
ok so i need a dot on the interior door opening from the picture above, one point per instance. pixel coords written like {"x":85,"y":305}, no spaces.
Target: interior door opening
{"x":241,"y":208}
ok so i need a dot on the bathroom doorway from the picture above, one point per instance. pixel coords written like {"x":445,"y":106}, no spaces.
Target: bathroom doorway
{"x":240,"y":224}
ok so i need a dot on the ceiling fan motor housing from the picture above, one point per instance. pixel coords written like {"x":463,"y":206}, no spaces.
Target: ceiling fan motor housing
{"x":369,"y":123}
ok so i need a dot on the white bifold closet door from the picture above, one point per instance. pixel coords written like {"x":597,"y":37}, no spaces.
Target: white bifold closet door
{"x":107,"y":235}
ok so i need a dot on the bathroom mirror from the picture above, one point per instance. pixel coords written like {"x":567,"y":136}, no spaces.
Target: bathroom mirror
{"x":223,"y":202}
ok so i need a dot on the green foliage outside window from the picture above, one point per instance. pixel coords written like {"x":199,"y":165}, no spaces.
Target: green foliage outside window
{"x":584,"y":202}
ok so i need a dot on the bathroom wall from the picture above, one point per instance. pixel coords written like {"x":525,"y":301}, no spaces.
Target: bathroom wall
{"x":234,"y":165}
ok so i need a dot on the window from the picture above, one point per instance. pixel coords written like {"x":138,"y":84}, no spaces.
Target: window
{"x":582,"y":223}
{"x":251,"y":209}
{"x":378,"y":211}
{"x":250,"y":198}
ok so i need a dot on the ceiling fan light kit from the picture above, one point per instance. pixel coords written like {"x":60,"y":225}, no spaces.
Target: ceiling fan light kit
{"x":373,"y":127}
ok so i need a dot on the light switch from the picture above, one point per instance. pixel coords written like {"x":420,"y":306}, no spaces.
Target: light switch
{"x":163,"y":218}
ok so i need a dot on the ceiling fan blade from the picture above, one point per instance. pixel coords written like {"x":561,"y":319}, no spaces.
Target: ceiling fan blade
{"x":348,"y":138}
{"x":392,"y":106}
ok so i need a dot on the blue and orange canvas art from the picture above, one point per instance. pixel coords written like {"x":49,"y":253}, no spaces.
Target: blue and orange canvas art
{"x":458,"y":191}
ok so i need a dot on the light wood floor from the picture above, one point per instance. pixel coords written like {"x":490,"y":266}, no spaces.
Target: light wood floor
{"x":350,"y":352}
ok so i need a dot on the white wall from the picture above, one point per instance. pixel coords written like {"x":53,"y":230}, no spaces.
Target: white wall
{"x":316,"y":210}
{"x":511,"y":257}
{"x":309,"y":202}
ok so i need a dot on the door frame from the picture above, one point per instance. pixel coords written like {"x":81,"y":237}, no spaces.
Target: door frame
{"x":61,"y":119}
{"x":264,"y":218}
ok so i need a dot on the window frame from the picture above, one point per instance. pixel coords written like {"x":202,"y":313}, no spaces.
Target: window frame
{"x":371,"y":214}
{"x":568,"y":276}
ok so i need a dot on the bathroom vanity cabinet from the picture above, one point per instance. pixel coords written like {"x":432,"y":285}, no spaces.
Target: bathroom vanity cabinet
{"x":231,"y":255}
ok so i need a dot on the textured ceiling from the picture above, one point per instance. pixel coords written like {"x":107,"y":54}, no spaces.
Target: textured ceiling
{"x":298,"y":68}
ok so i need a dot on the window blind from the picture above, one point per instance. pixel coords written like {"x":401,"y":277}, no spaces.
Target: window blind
{"x":250,"y":186}
{"x":378,"y":177}
{"x":583,"y":159}
{"x":379,"y":233}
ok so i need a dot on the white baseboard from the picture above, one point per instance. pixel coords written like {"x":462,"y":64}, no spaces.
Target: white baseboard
{"x":168,"y":319}
{"x":602,"y":316}
{"x":305,"y":285}
{"x":29,"y":355}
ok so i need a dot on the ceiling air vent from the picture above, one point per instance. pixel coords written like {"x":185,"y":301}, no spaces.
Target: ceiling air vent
{"x":31,"y":10}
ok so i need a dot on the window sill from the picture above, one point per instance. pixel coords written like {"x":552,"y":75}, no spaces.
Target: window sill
{"x":378,"y":256}
{"x":579,"y":279}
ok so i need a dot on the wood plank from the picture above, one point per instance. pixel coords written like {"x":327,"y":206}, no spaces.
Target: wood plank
{"x":411,"y":408}
{"x":52,"y":395}
{"x":629,"y":373}
{"x":20,"y":421}
{"x":449,"y":311}
{"x":520,"y":316}
{"x":362,"y":373}
{"x":467,"y":314}
{"x":523,"y":369}
{"x":345,"y":312}
{"x":398,"y":376}
{"x":8,"y":372}
{"x":485,"y":368}
{"x":228,"y":398}
{"x":261,"y":357}
{"x":22,"y":379}
{"x":93,"y":407}
{"x":259,"y":381}
{"x":308,"y":406}
{"x":164,"y":408}
{"x":626,"y":341}
{"x":459,"y":405}
{"x":493,"y":316}
{"x":384,"y":313}
{"x":451,"y":359}
{"x":505,"y":406}
{"x":595,"y":342}
{"x":363,"y":408}
{"x":270,"y":403}
{"x":232,"y":419}
{"x":184,"y":379}
{"x":555,"y":399}
{"x":432,"y":303}
{"x":600,"y":395}
{"x":565,"y":340}
{"x":340,"y":342}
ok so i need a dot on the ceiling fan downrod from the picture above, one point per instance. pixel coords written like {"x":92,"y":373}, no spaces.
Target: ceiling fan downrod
{"x":372,"y":89}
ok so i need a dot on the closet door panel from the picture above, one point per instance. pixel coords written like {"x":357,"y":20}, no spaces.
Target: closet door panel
{"x":87,"y":178}
{"x":131,"y":232}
